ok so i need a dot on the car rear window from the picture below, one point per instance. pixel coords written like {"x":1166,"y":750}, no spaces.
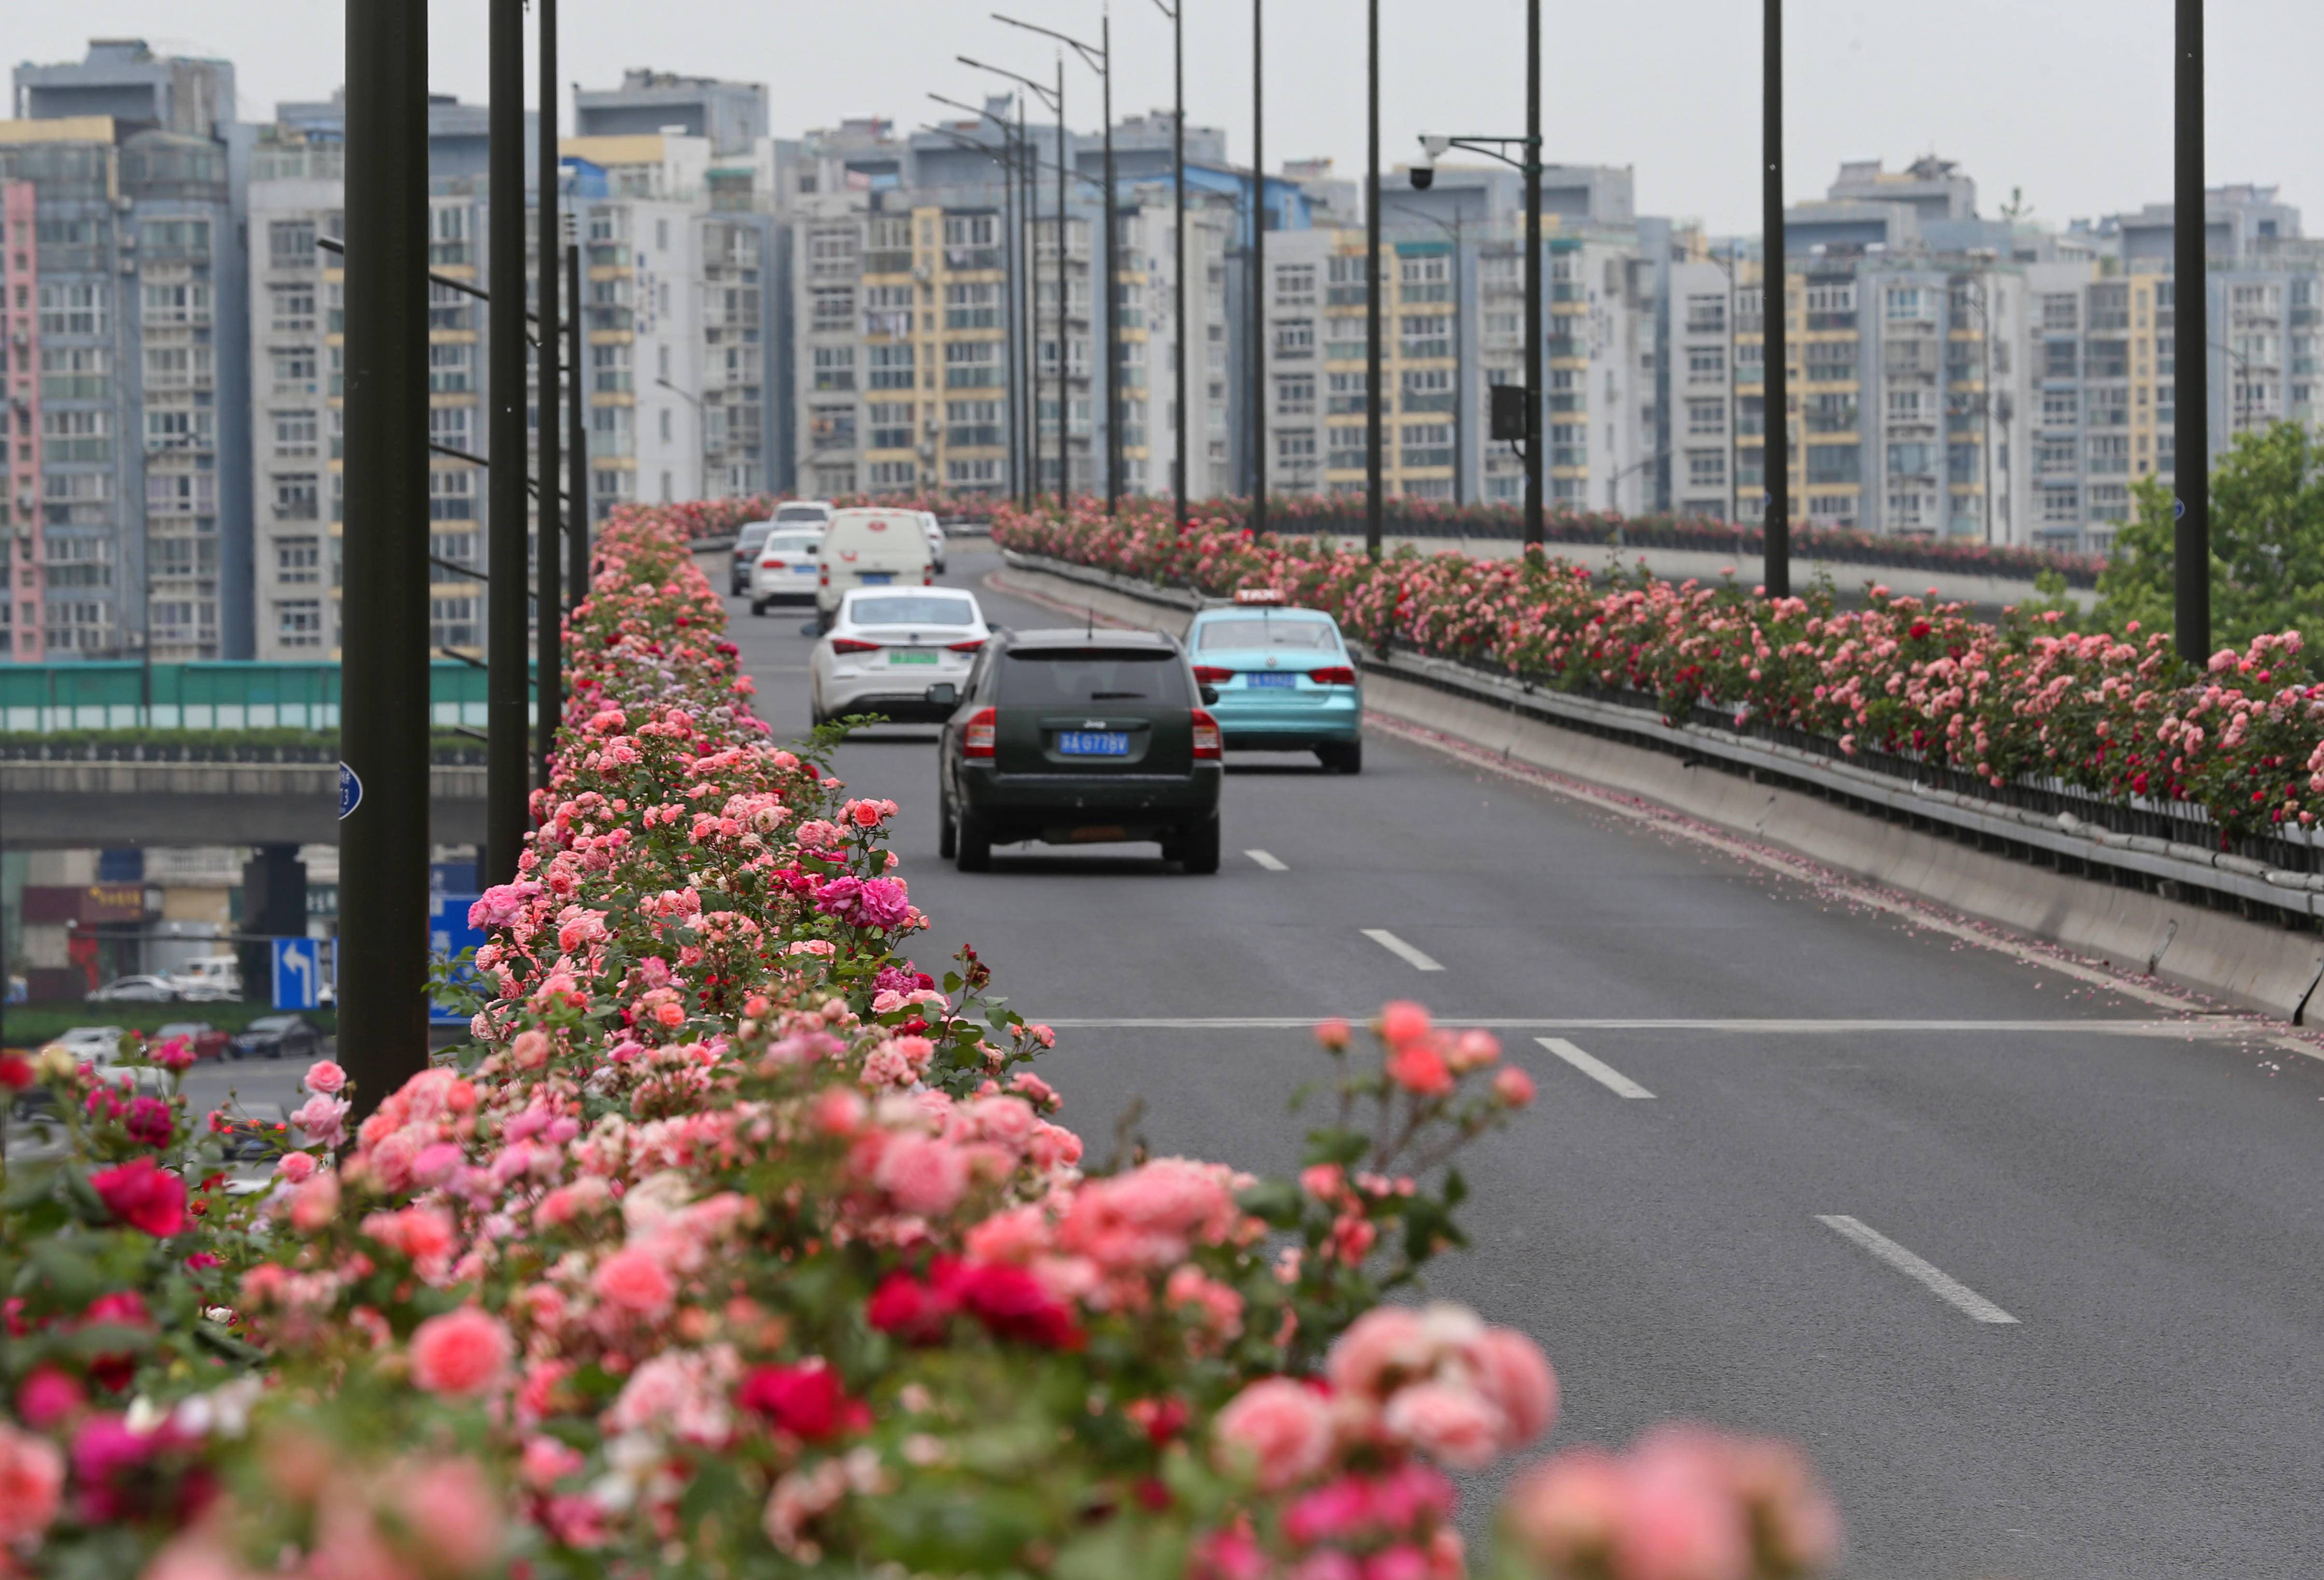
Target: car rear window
{"x":912,"y":611}
{"x":802,"y":512}
{"x":793,"y":542}
{"x":751,"y":533}
{"x":1073,"y":677}
{"x":1306,"y":635}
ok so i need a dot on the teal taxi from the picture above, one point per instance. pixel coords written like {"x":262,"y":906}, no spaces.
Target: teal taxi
{"x":1284,"y":678}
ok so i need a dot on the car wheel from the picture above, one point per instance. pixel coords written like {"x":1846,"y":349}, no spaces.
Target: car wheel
{"x":1198,"y":847}
{"x":757,"y":607}
{"x":1342,"y":757}
{"x":947,"y":838}
{"x":972,"y":842}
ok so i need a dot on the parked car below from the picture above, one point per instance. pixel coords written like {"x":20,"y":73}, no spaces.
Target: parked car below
{"x":279,"y":1037}
{"x":135,"y":990}
{"x":209,"y":1042}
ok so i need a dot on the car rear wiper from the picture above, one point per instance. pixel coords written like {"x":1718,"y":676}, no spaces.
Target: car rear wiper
{"x":1117,"y":696}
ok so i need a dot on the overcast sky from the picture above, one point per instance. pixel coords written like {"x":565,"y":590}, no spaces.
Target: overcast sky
{"x":2068,"y":99}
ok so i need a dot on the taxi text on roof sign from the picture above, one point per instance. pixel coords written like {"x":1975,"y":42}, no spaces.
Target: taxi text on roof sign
{"x":1259,"y":595}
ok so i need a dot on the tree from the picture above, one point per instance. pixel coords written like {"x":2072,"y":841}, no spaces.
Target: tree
{"x":2267,"y":544}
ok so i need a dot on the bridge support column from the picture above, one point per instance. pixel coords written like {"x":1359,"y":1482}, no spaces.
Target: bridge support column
{"x":273,"y":906}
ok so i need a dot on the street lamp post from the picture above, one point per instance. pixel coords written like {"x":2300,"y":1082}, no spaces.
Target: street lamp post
{"x":1099,"y":57}
{"x":1054,"y":98}
{"x":1774,"y":400}
{"x":2191,"y":451}
{"x":548,"y":540}
{"x":576,"y":455}
{"x":506,"y":769}
{"x":383,"y":713}
{"x":1257,"y":306}
{"x":1016,"y":163}
{"x":1177,"y":12}
{"x":1375,"y":277}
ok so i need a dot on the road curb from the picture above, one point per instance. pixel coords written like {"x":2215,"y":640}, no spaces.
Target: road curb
{"x":2133,"y":915}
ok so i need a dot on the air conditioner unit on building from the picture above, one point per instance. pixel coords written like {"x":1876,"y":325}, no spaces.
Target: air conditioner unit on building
{"x":927,"y":451}
{"x":923,"y":271}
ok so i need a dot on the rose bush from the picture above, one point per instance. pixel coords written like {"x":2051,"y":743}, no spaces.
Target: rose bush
{"x":2120,"y":718}
{"x":736,"y":1243}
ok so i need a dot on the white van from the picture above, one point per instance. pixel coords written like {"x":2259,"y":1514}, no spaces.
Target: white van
{"x":871,"y":548}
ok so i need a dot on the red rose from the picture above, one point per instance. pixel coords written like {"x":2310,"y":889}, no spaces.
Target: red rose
{"x":908,"y":1309}
{"x":15,"y":1073}
{"x":806,"y":1400}
{"x":1010,"y":1302}
{"x":144,"y":1196}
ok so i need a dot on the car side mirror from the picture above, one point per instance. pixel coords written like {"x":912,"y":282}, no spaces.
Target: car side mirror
{"x":943,"y":694}
{"x":1210,"y":695}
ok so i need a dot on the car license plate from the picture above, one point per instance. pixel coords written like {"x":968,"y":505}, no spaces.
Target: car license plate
{"x":802,"y":571}
{"x":905,"y":655}
{"x":1282,"y":682}
{"x":1094,"y":742}
{"x":878,"y":579}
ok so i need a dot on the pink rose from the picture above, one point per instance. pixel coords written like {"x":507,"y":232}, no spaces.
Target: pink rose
{"x":633,"y":1280}
{"x":1514,"y":1375}
{"x":1382,"y":1344}
{"x":460,"y":1352}
{"x":325,"y":1077}
{"x":452,"y":1517}
{"x":1419,"y":1069}
{"x":1514,"y":1088}
{"x":921,"y":1174}
{"x":31,"y":1483}
{"x":295,"y":1166}
{"x":1276,"y":1430}
{"x":1458,"y":1426}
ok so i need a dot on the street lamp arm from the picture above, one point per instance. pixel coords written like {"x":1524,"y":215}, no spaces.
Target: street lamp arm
{"x":681,"y":395}
{"x":1169,"y":12}
{"x":1492,"y":147}
{"x":1092,"y":55}
{"x":1046,"y":94}
{"x":999,"y":120}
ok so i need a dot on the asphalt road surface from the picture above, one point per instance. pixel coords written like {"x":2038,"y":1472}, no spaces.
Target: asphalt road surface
{"x":2035,"y":1281}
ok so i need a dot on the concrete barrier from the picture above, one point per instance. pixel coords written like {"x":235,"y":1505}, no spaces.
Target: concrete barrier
{"x":84,"y":805}
{"x":2137,"y":915}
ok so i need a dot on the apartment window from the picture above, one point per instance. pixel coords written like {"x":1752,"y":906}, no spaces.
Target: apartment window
{"x":831,"y":307}
{"x":294,"y":370}
{"x":297,"y":497}
{"x":1706,"y":365}
{"x":1427,"y":334}
{"x":2061,"y":507}
{"x":451,"y":427}
{"x":2056,"y":454}
{"x":169,"y":367}
{"x":972,"y":473}
{"x":452,"y":494}
{"x":454,"y":547}
{"x":452,"y":368}
{"x":835,"y":366}
{"x":972,"y":230}
{"x":1426,"y":278}
{"x":1295,"y":338}
{"x":298,"y":623}
{"x":1834,"y":463}
{"x":1706,"y":417}
{"x":449,"y":232}
{"x":831,"y":252}
{"x":76,"y":436}
{"x":1428,"y":388}
{"x":295,"y":433}
{"x":1295,"y":396}
{"x":1912,"y":304}
{"x":1825,"y":301}
{"x":1294,"y":285}
{"x":180,"y":559}
{"x":1427,"y":444}
{"x":76,"y":499}
{"x":891,"y":367}
{"x":892,"y":425}
{"x":1505,"y":323}
{"x":1915,"y":460}
{"x":972,"y":365}
{"x":1347,"y":393}
{"x":1834,"y":361}
{"x":73,"y":310}
{"x":972,"y":305}
{"x":186,"y":302}
{"x":299,"y":559}
{"x":1348,"y":445}
{"x":449,"y":308}
{"x":293,"y":309}
{"x":969,"y":423}
{"x":2060,"y":312}
{"x":452,"y":622}
{"x":1706,"y":468}
{"x":2109,"y":501}
{"x":831,"y":427}
{"x":1706,"y":315}
{"x":290,"y":243}
{"x":1909,"y":406}
{"x":893,"y":474}
{"x":180,"y":493}
{"x":76,"y":372}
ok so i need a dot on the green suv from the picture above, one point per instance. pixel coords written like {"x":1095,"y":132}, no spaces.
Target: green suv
{"x":1079,"y":737}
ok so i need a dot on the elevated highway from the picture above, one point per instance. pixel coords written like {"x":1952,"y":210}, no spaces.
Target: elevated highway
{"x":83,"y":804}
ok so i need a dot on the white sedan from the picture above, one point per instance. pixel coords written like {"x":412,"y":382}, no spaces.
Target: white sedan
{"x":887,"y":646}
{"x":935,"y":535}
{"x":787,"y":568}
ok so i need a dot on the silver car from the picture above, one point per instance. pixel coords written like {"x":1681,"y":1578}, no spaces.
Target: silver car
{"x":889,"y":647}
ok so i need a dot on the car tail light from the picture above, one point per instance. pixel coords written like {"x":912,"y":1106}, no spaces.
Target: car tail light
{"x":771,"y":565}
{"x":927,"y":579}
{"x":976,"y":740}
{"x":970,"y":646}
{"x":1207,"y":744}
{"x":826,"y":577}
{"x":1338,"y":675}
{"x":1212,"y":675}
{"x":848,"y":644}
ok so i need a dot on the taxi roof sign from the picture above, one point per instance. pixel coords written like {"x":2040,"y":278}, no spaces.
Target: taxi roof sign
{"x":1259,"y":595}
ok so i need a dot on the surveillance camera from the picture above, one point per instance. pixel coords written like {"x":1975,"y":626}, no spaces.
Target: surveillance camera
{"x":1423,"y":169}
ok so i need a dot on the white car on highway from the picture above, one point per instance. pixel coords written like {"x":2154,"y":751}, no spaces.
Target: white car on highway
{"x":935,"y":529}
{"x":888,"y":648}
{"x":786,"y":569}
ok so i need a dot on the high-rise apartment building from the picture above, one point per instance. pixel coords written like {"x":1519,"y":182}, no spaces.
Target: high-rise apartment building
{"x":127,"y":491}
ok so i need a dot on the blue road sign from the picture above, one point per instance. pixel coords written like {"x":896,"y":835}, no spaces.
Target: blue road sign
{"x":298,"y":974}
{"x":350,"y":791}
{"x":449,"y":933}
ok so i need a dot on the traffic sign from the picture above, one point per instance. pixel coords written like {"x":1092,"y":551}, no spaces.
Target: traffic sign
{"x":448,"y":934}
{"x":350,"y":791}
{"x":298,"y":974}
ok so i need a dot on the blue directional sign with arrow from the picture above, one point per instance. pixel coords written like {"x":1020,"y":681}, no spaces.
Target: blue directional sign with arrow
{"x":298,"y":974}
